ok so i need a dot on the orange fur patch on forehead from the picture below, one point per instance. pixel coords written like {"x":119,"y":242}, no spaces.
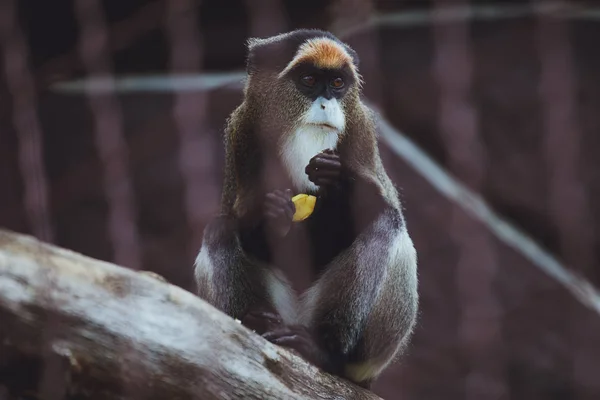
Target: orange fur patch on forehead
{"x":323,"y":53}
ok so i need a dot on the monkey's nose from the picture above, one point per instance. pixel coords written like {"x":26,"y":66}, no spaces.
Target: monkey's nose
{"x":323,"y":106}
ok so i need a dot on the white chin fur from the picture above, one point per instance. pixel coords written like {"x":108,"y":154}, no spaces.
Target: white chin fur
{"x":302,"y":145}
{"x":319,"y":130}
{"x":327,"y":113}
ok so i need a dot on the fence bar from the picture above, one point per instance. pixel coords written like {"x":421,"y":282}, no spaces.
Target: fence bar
{"x":109,"y":137}
{"x":26,"y":123}
{"x":197,"y":143}
{"x":567,"y":198}
{"x":479,"y":326}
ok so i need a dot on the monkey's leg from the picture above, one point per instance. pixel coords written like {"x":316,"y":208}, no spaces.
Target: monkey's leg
{"x":365,"y":322}
{"x":364,"y":306}
{"x":225,"y":277}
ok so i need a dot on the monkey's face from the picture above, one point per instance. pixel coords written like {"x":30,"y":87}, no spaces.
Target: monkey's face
{"x":323,"y":91}
{"x":322,"y":73}
{"x":304,"y":79}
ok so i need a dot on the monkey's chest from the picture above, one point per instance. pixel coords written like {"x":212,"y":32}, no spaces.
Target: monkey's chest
{"x":299,"y":148}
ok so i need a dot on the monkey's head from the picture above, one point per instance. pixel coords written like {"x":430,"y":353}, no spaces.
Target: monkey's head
{"x":300,"y":78}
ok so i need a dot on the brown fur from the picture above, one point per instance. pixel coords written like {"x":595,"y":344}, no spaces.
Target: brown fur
{"x":273,"y":106}
{"x":366,"y":320}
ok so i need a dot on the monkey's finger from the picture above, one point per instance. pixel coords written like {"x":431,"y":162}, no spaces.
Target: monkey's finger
{"x":289,"y":204}
{"x":271,"y":196}
{"x":260,"y":325}
{"x":292,"y":340}
{"x":289,"y":330}
{"x":278,"y":205}
{"x":286,"y":202}
{"x":283,"y":194}
{"x":265,"y":315}
{"x":272,"y":335}
{"x":280,"y":194}
{"x":287,"y":208}
{"x":296,"y":342}
{"x":324,"y":163}
{"x":280,"y":200}
{"x":321,"y":160}
{"x":280,"y":216}
{"x":326,"y":173}
{"x":331,"y":169}
{"x":276,"y":209}
{"x":271,"y":215}
{"x":290,"y":211}
{"x":327,"y":156}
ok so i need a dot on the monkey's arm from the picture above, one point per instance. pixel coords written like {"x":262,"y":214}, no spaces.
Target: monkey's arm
{"x":224,"y":276}
{"x":355,"y":197}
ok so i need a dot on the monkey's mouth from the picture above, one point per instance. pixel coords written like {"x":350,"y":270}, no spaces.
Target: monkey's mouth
{"x":326,"y":126}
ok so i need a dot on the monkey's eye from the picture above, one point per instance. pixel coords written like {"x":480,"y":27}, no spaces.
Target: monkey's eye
{"x":309,"y":80}
{"x":337,"y":83}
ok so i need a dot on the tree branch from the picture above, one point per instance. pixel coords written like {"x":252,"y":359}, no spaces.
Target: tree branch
{"x":106,"y":332}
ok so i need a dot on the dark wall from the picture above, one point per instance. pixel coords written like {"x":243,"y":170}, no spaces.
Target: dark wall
{"x":52,"y":30}
{"x":547,"y":344}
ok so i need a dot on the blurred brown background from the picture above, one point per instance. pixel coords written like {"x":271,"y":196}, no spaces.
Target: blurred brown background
{"x":501,"y":94}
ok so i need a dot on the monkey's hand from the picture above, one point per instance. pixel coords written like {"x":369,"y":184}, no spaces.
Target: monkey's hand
{"x":324,"y":169}
{"x":299,"y":339}
{"x":279,"y":211}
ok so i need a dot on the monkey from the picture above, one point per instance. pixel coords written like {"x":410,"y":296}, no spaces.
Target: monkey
{"x":339,"y":288}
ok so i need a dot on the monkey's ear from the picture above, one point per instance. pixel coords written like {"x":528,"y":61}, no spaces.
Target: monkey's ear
{"x":354,"y":55}
{"x":252,"y":57}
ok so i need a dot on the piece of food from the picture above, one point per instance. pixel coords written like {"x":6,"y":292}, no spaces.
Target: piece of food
{"x":305,"y":204}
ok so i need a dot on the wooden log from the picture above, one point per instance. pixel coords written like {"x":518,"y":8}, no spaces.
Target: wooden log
{"x":72,"y":327}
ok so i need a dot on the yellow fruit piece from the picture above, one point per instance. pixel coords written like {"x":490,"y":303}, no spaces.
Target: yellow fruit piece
{"x":305,"y":204}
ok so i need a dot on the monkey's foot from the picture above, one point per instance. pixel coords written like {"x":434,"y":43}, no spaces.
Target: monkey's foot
{"x":299,"y":339}
{"x":365,"y":384}
{"x":262,"y":319}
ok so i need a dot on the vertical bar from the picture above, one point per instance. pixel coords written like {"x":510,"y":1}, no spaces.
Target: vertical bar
{"x":567,"y":196}
{"x":113,"y":153}
{"x":562,"y":143}
{"x":31,"y":158}
{"x":479,"y":327}
{"x":346,"y":16}
{"x":266,"y":17}
{"x":196,"y":142}
{"x":31,"y":161}
{"x":109,"y":137}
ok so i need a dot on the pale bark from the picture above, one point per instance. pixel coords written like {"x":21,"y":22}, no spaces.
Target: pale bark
{"x":106,"y":332}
